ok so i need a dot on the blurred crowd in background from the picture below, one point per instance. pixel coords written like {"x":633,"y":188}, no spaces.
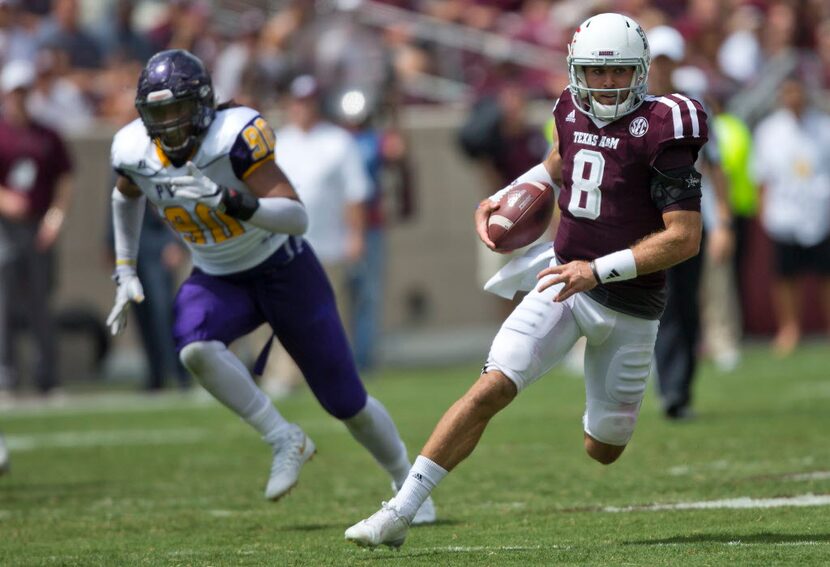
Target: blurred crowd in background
{"x":373,"y":58}
{"x":398,"y":51}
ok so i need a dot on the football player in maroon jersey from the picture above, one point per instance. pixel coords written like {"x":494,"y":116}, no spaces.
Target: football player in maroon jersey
{"x":629,"y":198}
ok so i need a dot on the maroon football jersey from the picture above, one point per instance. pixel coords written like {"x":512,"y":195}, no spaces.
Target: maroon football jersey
{"x":606,"y":201}
{"x":32,"y":159}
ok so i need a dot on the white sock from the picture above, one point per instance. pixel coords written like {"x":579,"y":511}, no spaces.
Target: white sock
{"x":374,"y":429}
{"x":423,"y":478}
{"x":223,"y":375}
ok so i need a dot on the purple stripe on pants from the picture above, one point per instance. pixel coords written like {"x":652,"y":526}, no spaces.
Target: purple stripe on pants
{"x":289,"y":291}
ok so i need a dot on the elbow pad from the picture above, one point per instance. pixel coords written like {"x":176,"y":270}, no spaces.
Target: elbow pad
{"x":280,"y":214}
{"x":674,"y":185}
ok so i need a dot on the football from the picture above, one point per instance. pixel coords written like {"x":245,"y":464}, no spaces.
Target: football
{"x":523,"y":215}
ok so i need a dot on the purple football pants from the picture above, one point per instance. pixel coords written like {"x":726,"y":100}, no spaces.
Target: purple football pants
{"x":289,"y":291}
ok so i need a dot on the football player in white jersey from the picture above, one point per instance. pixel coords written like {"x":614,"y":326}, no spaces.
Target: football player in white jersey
{"x":630,"y":208}
{"x":210,"y":172}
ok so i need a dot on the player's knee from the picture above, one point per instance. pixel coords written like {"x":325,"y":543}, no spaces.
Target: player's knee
{"x":603,"y":453}
{"x":512,"y":350}
{"x":491,"y":393}
{"x":196,"y":356}
{"x":344,"y":409}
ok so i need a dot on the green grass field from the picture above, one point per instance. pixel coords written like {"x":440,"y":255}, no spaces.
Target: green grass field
{"x":178,"y":481}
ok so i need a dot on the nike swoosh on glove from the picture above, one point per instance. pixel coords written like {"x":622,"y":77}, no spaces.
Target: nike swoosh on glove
{"x":129,"y":290}
{"x":198,"y":186}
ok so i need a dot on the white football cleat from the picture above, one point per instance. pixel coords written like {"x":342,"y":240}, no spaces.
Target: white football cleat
{"x":292,"y":450}
{"x":425,"y":514}
{"x":384,"y":527}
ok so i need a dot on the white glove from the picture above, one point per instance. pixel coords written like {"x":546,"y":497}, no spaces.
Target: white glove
{"x":129,"y":289}
{"x":197,"y":186}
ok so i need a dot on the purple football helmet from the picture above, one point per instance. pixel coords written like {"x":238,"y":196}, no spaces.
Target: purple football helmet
{"x":176,"y":102}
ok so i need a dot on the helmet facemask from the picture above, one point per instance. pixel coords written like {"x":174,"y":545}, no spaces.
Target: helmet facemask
{"x":628,"y":99}
{"x":171,"y":124}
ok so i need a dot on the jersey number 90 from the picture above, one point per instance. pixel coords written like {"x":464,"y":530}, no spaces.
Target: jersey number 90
{"x":260,"y":139}
{"x":220,"y":226}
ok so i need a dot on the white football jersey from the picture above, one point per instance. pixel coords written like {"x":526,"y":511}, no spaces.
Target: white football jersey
{"x":237,"y":142}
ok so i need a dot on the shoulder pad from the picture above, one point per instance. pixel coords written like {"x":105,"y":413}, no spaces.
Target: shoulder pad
{"x":681,"y":117}
{"x":223,"y":132}
{"x":675,"y":120}
{"x":129,"y":148}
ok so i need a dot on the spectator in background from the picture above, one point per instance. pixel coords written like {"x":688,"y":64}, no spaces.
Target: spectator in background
{"x":384,"y":155}
{"x":35,"y":191}
{"x":63,"y":30}
{"x":238,"y":63}
{"x":339,"y":52}
{"x":120,"y":40}
{"x":792,"y":167}
{"x":677,"y":338}
{"x":55,"y":99}
{"x":16,"y":40}
{"x":187,"y":26}
{"x":161,"y":35}
{"x":324,"y":164}
{"x":499,"y":137}
{"x":823,"y":52}
{"x":734,"y":140}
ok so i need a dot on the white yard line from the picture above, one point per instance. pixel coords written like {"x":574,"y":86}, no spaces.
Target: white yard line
{"x":476,"y":548}
{"x":113,"y":437}
{"x":731,"y":503}
{"x":83,"y":404}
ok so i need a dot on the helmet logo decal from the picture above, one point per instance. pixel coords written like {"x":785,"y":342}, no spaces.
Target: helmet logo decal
{"x":638,"y":127}
{"x":157,"y":96}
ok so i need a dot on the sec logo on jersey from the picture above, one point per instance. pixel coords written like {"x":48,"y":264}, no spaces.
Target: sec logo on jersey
{"x":638,"y":127}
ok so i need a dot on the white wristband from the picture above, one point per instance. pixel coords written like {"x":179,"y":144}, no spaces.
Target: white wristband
{"x":615,"y":267}
{"x":536,"y":173}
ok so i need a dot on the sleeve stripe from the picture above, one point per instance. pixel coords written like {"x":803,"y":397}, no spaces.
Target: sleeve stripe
{"x":257,"y":165}
{"x":675,"y":114}
{"x":693,"y":111}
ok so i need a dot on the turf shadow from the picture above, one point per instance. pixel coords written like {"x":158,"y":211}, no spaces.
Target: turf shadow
{"x":763,"y":537}
{"x":51,"y":490}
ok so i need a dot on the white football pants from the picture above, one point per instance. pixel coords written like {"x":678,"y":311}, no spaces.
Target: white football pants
{"x":538,"y":335}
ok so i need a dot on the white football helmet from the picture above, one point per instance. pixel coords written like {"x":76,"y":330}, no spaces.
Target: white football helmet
{"x":608,"y":39}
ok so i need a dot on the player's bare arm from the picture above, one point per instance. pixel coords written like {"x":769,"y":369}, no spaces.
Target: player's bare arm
{"x":678,"y":242}
{"x":661,"y":250}
{"x":127,"y":188}
{"x":270,"y":181}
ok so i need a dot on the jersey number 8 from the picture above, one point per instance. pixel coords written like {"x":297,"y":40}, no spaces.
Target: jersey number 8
{"x":586,"y":197}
